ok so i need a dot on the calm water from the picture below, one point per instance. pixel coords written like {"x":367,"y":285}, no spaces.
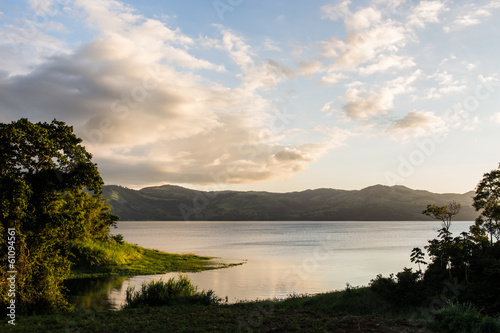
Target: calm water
{"x":280,"y":257}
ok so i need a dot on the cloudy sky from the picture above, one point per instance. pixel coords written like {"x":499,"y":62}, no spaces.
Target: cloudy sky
{"x":263,"y":95}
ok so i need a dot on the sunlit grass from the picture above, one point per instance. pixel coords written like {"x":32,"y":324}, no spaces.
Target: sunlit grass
{"x":104,"y":258}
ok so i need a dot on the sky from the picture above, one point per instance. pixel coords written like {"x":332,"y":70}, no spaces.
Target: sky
{"x":263,"y":95}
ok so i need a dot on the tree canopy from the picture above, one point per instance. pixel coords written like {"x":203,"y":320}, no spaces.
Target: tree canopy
{"x":487,"y":201}
{"x":50,"y":194}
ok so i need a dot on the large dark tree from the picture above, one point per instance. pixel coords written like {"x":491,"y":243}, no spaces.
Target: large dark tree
{"x":50,"y":194}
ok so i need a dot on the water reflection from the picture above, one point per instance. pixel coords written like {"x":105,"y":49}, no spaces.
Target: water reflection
{"x":94,"y":293}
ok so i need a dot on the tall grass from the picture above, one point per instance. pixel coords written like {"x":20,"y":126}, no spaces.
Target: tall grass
{"x":160,"y":293}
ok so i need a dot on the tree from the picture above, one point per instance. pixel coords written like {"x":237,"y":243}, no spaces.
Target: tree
{"x":417,"y":256}
{"x":487,"y":200}
{"x":443,"y":213}
{"x":50,"y":194}
{"x":441,"y":248}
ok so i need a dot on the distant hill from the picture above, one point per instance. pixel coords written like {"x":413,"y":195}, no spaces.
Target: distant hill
{"x":374,"y":203}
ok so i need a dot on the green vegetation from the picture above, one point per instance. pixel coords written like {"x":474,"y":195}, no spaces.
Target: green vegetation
{"x":105,"y":258}
{"x":160,"y":293}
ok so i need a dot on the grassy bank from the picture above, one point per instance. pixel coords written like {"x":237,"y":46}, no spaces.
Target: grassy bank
{"x":100,"y":259}
{"x":345,"y":311}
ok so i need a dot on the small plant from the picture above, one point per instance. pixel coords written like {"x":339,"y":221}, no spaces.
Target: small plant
{"x":160,"y":293}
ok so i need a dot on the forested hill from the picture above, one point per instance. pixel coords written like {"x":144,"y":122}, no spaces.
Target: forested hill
{"x":384,"y":203}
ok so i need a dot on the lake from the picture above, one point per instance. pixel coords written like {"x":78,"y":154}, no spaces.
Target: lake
{"x":280,"y":258}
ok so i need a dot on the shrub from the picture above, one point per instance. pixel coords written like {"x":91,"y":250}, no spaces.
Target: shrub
{"x":160,"y":293}
{"x":466,"y":318}
{"x":406,"y":288}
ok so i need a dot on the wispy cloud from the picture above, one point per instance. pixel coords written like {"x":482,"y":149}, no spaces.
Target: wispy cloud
{"x":476,"y":14}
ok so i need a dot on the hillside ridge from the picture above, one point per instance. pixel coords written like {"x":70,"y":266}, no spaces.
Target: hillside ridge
{"x":373,"y":203}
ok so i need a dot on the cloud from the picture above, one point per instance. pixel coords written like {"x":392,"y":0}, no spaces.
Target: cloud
{"x":363,"y":19}
{"x":386,"y":62}
{"x":255,"y":75}
{"x":331,"y":79}
{"x":426,"y":12}
{"x":447,"y":84}
{"x":475,"y":15}
{"x":364,"y":105}
{"x":136,"y":98}
{"x":309,"y":68}
{"x":334,"y":12}
{"x":362,"y":47}
{"x":271,"y":45}
{"x":415,"y":124}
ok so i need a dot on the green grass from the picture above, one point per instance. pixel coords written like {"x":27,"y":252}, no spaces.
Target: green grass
{"x":296,"y":314}
{"x":108,"y":258}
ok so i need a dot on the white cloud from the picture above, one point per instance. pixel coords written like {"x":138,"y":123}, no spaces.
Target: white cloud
{"x":426,"y":12}
{"x":363,"y":19}
{"x":386,"y":62}
{"x":364,"y":105}
{"x":362,"y":47}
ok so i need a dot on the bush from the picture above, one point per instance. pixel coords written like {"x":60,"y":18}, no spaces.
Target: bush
{"x":160,"y":293}
{"x":406,"y":288}
{"x":466,"y":318}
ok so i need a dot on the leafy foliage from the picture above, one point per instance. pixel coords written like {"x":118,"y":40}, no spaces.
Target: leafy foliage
{"x":50,"y":193}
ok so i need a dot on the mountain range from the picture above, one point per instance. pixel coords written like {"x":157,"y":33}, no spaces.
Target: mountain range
{"x":374,"y":203}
